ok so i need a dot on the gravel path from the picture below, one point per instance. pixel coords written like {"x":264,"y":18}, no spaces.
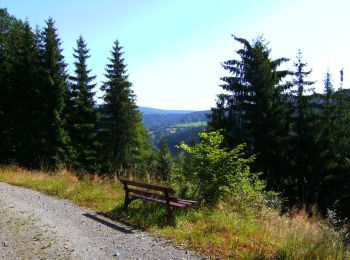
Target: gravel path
{"x":36,"y":226}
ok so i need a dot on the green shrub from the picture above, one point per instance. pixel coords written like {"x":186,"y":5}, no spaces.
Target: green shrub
{"x":210,"y":173}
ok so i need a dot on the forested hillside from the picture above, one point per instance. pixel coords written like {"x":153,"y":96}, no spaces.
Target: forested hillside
{"x":271,"y":141}
{"x":300,"y":138}
{"x":163,"y":118}
{"x":174,"y":126}
{"x":151,"y":110}
{"x":49,"y":119}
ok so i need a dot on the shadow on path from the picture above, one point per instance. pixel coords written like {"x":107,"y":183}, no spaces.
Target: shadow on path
{"x":108,"y":224}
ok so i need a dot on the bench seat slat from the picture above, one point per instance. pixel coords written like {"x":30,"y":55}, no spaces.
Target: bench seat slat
{"x":146,"y":193}
{"x":172,"y":203}
{"x":161,"y":196}
{"x":148,"y":186}
{"x":184,"y":201}
{"x":189,"y":201}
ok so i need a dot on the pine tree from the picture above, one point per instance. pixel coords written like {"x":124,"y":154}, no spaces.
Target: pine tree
{"x":165,"y":160}
{"x":54,"y":89}
{"x":119,"y":117}
{"x":252,"y":110}
{"x":305,"y":137}
{"x":142,"y":154}
{"x":9,"y":25}
{"x":339,"y":188}
{"x":24,"y":78}
{"x":326,"y":162}
{"x":82,"y":117}
{"x":323,"y":164}
{"x":342,"y":112}
{"x":327,"y":140}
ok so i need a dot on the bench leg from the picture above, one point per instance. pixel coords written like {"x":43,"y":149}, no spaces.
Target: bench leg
{"x":168,"y":207}
{"x":126,"y":202}
{"x":169,"y":213}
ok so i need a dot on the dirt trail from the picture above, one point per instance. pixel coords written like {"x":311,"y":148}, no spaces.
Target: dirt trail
{"x":36,"y":226}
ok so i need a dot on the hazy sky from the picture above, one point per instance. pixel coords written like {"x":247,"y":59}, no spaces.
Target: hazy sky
{"x":174,"y":48}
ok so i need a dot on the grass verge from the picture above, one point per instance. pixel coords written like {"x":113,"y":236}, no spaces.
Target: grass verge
{"x":232,"y":230}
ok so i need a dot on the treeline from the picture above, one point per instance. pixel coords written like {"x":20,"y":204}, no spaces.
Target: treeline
{"x":300,"y":138}
{"x":49,"y":119}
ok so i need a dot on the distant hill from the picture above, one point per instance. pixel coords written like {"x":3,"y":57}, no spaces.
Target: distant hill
{"x":174,"y":125}
{"x":153,"y":117}
{"x":150,"y":110}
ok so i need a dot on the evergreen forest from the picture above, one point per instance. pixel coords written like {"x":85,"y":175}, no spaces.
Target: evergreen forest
{"x":269,"y":129}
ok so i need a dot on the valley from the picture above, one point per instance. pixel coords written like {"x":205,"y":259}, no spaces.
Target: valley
{"x":174,"y":125}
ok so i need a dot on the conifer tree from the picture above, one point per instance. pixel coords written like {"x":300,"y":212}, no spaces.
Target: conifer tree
{"x":327,"y":152}
{"x":119,"y":116}
{"x":54,"y":86}
{"x":142,"y":154}
{"x":82,"y":112}
{"x":342,"y":122}
{"x":165,"y":160}
{"x":24,"y":77}
{"x":252,"y":110}
{"x":305,"y":137}
{"x":6,"y":24}
{"x":340,"y":185}
{"x":327,"y":121}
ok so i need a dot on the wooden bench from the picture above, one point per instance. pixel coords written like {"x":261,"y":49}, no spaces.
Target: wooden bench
{"x":147,"y":191}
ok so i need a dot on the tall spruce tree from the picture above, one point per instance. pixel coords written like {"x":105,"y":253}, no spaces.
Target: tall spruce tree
{"x":119,"y":115}
{"x":342,"y":111}
{"x":327,"y":124}
{"x":24,"y":79}
{"x":5,"y":128}
{"x":10,"y":28}
{"x":54,"y":83}
{"x":326,"y":163}
{"x":304,"y":138}
{"x":252,"y":110}
{"x":82,"y":118}
{"x":337,"y":188}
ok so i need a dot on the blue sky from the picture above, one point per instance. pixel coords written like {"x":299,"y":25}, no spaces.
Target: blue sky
{"x":174,"y":48}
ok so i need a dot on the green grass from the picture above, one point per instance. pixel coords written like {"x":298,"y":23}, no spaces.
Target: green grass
{"x":93,"y":192}
{"x":194,"y":124}
{"x":232,"y":230}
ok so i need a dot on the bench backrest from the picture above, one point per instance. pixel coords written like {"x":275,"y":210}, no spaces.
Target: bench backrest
{"x":149,"y":186}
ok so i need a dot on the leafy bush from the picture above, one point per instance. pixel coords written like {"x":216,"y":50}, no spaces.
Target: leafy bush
{"x":210,"y":173}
